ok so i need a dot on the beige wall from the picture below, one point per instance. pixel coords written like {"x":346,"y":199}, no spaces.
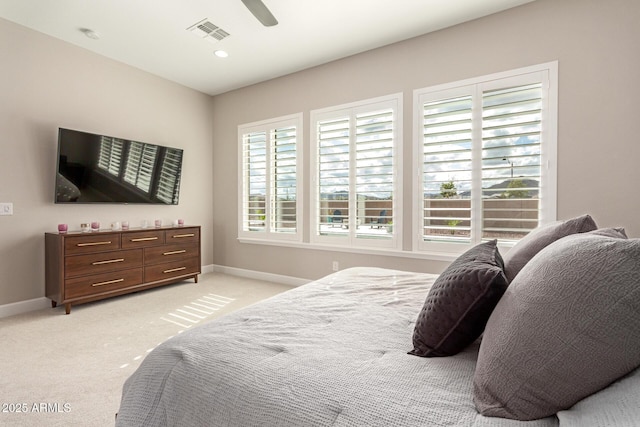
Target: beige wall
{"x":45,"y":84}
{"x":595,"y":43}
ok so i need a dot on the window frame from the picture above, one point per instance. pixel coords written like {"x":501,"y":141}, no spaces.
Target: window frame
{"x":547,"y":210}
{"x":351,"y":239}
{"x":268,"y":126}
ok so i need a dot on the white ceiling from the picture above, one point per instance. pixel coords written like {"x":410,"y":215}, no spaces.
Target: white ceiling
{"x":152,"y":34}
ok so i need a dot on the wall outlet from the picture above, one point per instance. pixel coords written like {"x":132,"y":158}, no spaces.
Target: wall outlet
{"x":335,"y":266}
{"x":6,"y":208}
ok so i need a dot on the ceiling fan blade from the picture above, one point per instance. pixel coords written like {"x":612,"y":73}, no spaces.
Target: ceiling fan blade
{"x":261,"y":12}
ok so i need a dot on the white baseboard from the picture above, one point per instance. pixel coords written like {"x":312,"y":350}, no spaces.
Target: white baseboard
{"x":20,"y":307}
{"x":260,"y":275}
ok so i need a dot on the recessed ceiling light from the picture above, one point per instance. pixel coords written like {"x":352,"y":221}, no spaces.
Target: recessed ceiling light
{"x":90,"y":33}
{"x":221,"y":53}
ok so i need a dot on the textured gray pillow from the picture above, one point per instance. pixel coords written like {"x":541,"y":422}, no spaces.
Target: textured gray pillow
{"x":616,"y":233}
{"x":540,"y":238}
{"x":459,"y":302}
{"x":566,"y":327}
{"x":616,"y":405}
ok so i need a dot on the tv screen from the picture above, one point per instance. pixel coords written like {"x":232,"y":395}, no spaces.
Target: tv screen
{"x":104,"y":169}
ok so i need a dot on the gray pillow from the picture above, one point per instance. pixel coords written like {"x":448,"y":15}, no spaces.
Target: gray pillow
{"x":616,"y":405}
{"x":460,"y":302}
{"x":616,"y":232}
{"x":540,"y":238}
{"x":566,"y":327}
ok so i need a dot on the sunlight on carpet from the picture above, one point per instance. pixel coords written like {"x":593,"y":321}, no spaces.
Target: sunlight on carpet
{"x":197,"y":310}
{"x":190,"y":314}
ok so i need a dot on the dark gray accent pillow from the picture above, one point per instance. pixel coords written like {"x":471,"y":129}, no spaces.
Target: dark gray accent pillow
{"x":460,"y":302}
{"x":540,"y":238}
{"x":567,"y":327}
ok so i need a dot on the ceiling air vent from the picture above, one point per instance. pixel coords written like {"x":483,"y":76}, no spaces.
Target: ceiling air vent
{"x":208,"y":30}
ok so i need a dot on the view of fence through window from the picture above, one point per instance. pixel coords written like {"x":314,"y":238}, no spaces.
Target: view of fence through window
{"x":355,"y":175}
{"x":255,"y":159}
{"x":283,"y":180}
{"x":510,"y":173}
{"x":271,"y":180}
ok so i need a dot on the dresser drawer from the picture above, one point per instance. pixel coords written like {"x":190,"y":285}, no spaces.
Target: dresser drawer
{"x":169,"y":253}
{"x":91,"y":243}
{"x":184,"y":235}
{"x":142,"y":239}
{"x":79,"y":265}
{"x":90,"y":285}
{"x":171,"y":269}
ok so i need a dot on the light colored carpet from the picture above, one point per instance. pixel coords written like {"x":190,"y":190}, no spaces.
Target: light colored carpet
{"x":64,"y":370}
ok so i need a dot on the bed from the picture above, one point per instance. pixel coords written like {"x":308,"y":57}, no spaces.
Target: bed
{"x":333,"y":352}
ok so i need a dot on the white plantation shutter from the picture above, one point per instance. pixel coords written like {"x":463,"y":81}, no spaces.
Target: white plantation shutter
{"x":255,"y":181}
{"x":110,"y":156}
{"x":168,"y":180}
{"x":374,"y":172}
{"x":486,"y":158}
{"x":511,"y":156}
{"x":284,"y":180}
{"x":141,"y":160}
{"x":333,"y":174}
{"x":447,"y":169}
{"x":271,"y":179}
{"x":355,"y":173}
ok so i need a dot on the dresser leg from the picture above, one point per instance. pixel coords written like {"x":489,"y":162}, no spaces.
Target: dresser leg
{"x":67,"y":308}
{"x":53,"y":304}
{"x":196,"y":278}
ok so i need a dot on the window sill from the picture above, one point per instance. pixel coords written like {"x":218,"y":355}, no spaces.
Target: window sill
{"x":425,"y":255}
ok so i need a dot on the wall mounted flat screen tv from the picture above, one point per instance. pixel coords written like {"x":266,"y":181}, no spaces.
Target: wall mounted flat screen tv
{"x":103,"y":169}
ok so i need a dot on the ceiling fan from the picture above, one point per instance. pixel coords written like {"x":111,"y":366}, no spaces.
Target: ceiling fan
{"x":261,"y":12}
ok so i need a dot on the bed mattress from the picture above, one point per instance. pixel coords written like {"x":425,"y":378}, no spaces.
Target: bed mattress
{"x":330,"y":353}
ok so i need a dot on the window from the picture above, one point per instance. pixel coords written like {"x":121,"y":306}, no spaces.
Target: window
{"x":486,"y":151}
{"x":355,"y":163}
{"x":271,"y":182}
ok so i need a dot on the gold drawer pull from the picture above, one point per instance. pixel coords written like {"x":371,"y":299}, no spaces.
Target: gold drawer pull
{"x":93,"y":244}
{"x":177,"y":236}
{"x":109,"y":261}
{"x":175,"y":269}
{"x":144,"y":239}
{"x":109,"y":282}
{"x":174,"y":252}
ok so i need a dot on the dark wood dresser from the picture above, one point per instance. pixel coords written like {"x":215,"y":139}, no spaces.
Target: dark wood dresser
{"x":83,"y":267}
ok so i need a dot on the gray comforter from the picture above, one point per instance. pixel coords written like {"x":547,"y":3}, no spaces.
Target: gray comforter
{"x":329,"y":353}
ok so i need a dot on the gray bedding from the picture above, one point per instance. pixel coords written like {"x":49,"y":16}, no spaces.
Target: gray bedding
{"x":329,"y":353}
